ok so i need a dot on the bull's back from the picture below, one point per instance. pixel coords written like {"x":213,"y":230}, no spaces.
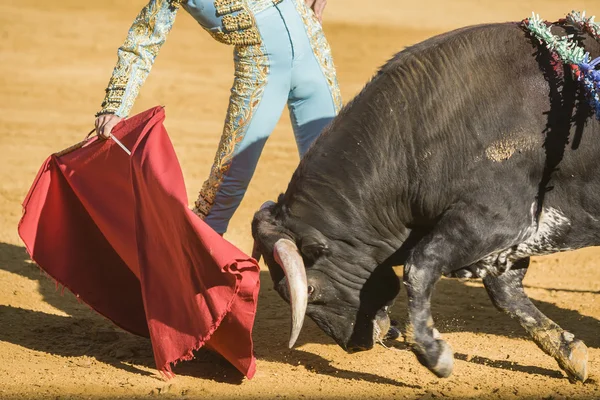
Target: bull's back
{"x":475,"y":109}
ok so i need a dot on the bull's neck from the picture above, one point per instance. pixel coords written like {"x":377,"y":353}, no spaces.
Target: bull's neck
{"x":343,"y":217}
{"x":348,"y":184}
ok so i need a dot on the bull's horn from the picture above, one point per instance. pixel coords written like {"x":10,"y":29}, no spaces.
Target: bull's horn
{"x":288,"y":257}
{"x":256,"y":252}
{"x":266,"y":204}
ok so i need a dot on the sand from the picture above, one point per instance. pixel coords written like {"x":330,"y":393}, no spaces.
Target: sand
{"x":55,"y":60}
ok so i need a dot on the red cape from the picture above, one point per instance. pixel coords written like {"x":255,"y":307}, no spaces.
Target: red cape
{"x":117,"y":232}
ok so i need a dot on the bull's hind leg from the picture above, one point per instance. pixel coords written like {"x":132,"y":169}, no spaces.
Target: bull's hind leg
{"x":507,"y":294}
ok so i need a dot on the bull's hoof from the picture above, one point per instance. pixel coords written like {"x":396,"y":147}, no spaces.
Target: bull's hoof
{"x":573,"y":357}
{"x":445,"y":362}
{"x":439,"y":358}
{"x":393,"y":333}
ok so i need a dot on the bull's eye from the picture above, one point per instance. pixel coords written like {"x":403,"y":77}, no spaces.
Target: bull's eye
{"x":311,"y":289}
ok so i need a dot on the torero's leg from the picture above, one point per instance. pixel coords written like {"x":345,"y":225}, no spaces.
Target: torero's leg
{"x":257,"y":99}
{"x":314,"y":98}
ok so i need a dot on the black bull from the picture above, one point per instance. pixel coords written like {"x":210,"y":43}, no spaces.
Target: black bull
{"x":465,"y":155}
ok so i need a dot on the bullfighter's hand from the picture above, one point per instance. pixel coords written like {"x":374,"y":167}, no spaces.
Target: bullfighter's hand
{"x":105,"y":123}
{"x":317,"y":6}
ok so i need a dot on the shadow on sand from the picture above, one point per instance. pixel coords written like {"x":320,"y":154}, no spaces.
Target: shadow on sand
{"x":81,"y":332}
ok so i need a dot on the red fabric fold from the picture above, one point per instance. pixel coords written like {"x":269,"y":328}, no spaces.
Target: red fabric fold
{"x":117,"y":232}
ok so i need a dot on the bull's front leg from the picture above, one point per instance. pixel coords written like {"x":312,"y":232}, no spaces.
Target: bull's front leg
{"x":421,"y":272}
{"x":508,"y":295}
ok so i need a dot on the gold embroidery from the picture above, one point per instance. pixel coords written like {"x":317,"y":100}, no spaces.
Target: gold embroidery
{"x":251,"y":74}
{"x":239,"y":38}
{"x":228,"y":6}
{"x":237,"y":22}
{"x":239,"y":26}
{"x":175,"y":3}
{"x":321,"y":49}
{"x":137,"y":54}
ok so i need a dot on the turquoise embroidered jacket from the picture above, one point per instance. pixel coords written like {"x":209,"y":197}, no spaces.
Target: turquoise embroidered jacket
{"x":228,"y":21}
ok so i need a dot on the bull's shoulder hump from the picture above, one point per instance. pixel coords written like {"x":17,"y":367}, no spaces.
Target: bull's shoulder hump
{"x":481,"y":36}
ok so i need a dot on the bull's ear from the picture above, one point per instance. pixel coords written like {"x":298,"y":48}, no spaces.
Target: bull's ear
{"x":312,"y":248}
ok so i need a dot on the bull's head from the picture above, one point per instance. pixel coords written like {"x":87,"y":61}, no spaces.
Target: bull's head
{"x":325,"y":279}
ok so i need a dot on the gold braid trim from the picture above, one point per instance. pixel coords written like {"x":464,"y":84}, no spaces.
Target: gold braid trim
{"x":251,"y":75}
{"x":137,"y":54}
{"x":321,"y":50}
{"x":237,"y":22}
{"x":246,"y":37}
{"x":239,"y":29}
{"x":239,"y":25}
{"x":228,"y":6}
{"x":175,"y":3}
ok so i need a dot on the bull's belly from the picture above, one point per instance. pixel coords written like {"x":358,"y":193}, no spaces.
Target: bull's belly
{"x":546,"y":237}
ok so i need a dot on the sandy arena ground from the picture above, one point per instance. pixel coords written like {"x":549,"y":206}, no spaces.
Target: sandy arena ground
{"x":55,"y":60}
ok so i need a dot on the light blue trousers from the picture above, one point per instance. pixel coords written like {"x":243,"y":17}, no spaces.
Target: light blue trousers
{"x":292,"y":66}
